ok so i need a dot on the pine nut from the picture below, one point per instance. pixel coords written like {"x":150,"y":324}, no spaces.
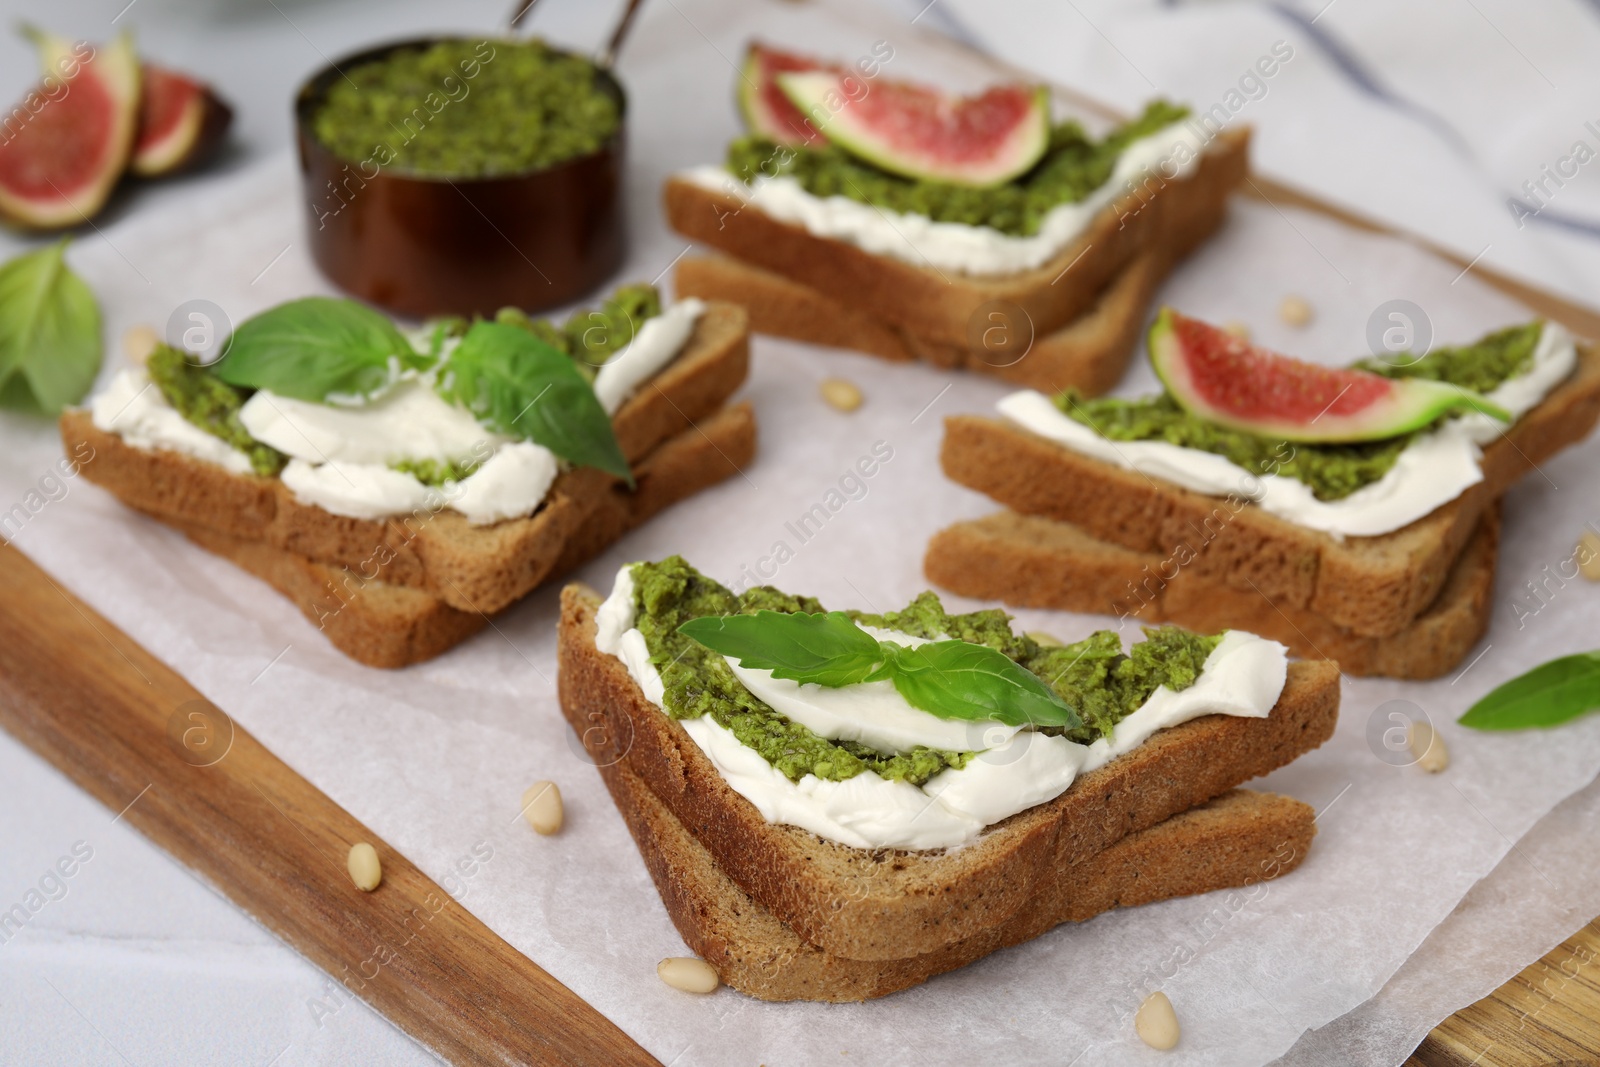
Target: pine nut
{"x":1044,"y":640}
{"x":365,"y":870}
{"x":688,"y":974}
{"x":1428,"y":747}
{"x":1237,"y":329}
{"x":840,"y":394}
{"x":541,"y":806}
{"x":138,"y":342}
{"x":1588,"y":555}
{"x":1156,"y":1022}
{"x":1296,"y":311}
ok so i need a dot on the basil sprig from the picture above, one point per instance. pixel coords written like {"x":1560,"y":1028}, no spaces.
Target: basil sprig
{"x":948,"y":679}
{"x":517,"y":384}
{"x":1549,"y":695}
{"x":49,"y":332}
{"x":318,"y":348}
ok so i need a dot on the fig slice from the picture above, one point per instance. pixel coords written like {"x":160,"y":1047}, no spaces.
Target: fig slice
{"x":182,"y":123}
{"x":64,"y":147}
{"x":1226,"y":380}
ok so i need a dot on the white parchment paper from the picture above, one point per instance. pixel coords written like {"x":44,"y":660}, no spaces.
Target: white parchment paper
{"x":435,"y":758}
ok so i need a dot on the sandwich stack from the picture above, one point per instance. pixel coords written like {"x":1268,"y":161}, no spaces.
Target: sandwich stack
{"x":1085,"y":534}
{"x":394,"y":590}
{"x":839,"y":268}
{"x":785,"y":913}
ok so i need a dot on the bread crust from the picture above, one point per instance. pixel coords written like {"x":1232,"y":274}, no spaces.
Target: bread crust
{"x":884,"y":904}
{"x":1089,"y":354}
{"x":1372,"y":586}
{"x":385,"y":625}
{"x":938,"y":306}
{"x":1240,"y":839}
{"x":1032,"y":562}
{"x":470,"y":568}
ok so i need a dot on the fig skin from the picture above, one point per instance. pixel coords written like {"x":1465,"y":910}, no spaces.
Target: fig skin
{"x":200,"y":139}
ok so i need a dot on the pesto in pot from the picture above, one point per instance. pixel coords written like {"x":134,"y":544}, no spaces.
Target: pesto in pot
{"x":467,"y":109}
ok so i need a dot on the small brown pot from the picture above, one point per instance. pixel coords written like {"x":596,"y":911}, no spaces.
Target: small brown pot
{"x":424,"y":246}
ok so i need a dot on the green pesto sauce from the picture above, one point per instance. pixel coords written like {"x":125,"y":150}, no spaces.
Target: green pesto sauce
{"x":1104,"y":684}
{"x":592,"y":336}
{"x":1093,"y":675}
{"x":467,"y":109}
{"x":1074,"y":165}
{"x":1333,"y":471}
{"x":210,"y":403}
{"x":434,"y":472}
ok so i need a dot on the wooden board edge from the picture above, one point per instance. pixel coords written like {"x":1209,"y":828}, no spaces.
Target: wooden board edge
{"x":132,"y":733}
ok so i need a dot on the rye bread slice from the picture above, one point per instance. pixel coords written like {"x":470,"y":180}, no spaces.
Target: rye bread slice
{"x":1031,"y":562}
{"x":1089,"y":354}
{"x":1239,"y":839}
{"x":1372,"y":586}
{"x":385,"y":625}
{"x":470,"y":568}
{"x":939,"y":305}
{"x":886,"y":904}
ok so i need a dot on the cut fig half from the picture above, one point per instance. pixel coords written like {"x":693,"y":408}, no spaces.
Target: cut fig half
{"x":63,"y":149}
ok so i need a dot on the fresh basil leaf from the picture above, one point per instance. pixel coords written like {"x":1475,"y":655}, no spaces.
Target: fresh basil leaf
{"x":49,"y":331}
{"x":828,"y":649}
{"x":318,"y":348}
{"x":1549,"y":695}
{"x":517,"y":384}
{"x":961,"y":680}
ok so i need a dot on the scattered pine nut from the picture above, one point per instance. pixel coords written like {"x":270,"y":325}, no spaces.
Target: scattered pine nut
{"x":541,"y":806}
{"x":689,"y":974}
{"x":1428,"y":747}
{"x":138,"y":342}
{"x":365,"y":870}
{"x":1156,"y":1022}
{"x":1044,"y":640}
{"x":1237,"y":329}
{"x":1295,"y":311}
{"x":1588,"y":555}
{"x":840,"y":394}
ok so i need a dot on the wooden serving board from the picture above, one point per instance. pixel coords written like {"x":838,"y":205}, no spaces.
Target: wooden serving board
{"x":141,"y":740}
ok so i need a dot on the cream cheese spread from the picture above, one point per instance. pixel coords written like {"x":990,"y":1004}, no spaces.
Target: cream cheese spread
{"x":1017,"y":770}
{"x":340,"y":455}
{"x":1172,"y":153}
{"x":660,"y":339}
{"x":132,"y":407}
{"x":1433,"y":470}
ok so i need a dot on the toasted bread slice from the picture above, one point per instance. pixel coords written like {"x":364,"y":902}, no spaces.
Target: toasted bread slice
{"x":884,"y":904}
{"x":470,"y":568}
{"x":1089,"y":354}
{"x":1372,"y":586}
{"x":386,"y":625}
{"x":1239,"y":839}
{"x":940,"y":305}
{"x":1031,"y":562}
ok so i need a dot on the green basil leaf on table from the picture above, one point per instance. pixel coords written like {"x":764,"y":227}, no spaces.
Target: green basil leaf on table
{"x":49,"y":331}
{"x":318,"y":348}
{"x":827,"y":649}
{"x":1549,"y":695}
{"x":517,"y":384}
{"x":961,"y":680}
